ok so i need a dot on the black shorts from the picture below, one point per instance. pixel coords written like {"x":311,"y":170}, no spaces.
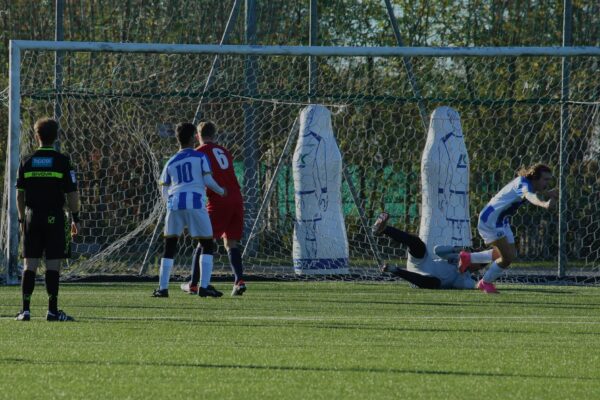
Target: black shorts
{"x":46,"y":233}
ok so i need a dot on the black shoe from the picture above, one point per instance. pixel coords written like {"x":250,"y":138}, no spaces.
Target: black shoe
{"x":389,"y":269}
{"x":380,"y":224}
{"x":209,"y":291}
{"x":60,"y":316}
{"x":239,"y":288}
{"x":160,"y":293}
{"x":23,"y":316}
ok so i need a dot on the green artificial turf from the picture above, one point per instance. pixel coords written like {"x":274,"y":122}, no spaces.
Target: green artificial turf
{"x":304,"y":340}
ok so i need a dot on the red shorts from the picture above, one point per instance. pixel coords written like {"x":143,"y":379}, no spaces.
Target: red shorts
{"x":227,"y":220}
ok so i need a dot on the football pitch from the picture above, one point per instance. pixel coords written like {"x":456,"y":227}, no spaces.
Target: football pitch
{"x":304,"y":340}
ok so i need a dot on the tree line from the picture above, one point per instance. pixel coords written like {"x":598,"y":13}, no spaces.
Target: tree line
{"x":510,"y":106}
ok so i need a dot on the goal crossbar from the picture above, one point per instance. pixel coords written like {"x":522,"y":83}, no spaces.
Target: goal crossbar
{"x":307,"y":50}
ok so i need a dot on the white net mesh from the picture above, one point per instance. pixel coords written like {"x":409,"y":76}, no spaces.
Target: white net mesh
{"x":112,"y":106}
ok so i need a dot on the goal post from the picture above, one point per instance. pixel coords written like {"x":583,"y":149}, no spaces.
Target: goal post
{"x":116,"y":95}
{"x":13,"y":159}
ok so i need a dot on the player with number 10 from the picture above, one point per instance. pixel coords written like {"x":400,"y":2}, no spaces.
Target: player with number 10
{"x":184,"y":180}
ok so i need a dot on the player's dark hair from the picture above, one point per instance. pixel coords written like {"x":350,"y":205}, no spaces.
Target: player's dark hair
{"x":535,"y":171}
{"x":47,"y":130}
{"x":185,"y":133}
{"x":207,"y":129}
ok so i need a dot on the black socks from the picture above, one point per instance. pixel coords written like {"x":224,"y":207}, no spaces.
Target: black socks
{"x":27,"y":286}
{"x":52,"y":278}
{"x":235,"y":258}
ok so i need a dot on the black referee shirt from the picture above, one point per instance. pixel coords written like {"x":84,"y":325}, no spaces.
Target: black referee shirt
{"x":45,"y":176}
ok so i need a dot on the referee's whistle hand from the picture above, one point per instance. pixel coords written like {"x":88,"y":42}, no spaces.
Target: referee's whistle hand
{"x":74,"y":229}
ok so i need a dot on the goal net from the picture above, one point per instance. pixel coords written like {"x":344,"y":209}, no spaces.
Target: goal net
{"x":117,"y":105}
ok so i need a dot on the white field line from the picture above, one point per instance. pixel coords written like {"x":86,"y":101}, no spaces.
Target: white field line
{"x":537,"y":318}
{"x":540,"y":319}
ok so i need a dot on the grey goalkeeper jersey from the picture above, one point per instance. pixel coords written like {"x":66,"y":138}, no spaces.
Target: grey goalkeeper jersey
{"x":447,"y":273}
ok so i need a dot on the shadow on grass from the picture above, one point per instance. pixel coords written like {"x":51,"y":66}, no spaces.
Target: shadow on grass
{"x":469,"y":303}
{"x":295,"y":324}
{"x":315,"y":304}
{"x":407,"y":371}
{"x":533,"y":290}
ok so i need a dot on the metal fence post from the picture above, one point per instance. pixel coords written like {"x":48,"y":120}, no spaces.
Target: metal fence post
{"x":564,"y":137}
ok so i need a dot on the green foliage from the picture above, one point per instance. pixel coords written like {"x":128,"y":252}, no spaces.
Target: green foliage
{"x":510,"y":107}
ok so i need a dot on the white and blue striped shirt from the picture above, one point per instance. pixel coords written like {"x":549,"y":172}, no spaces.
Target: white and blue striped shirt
{"x":184,"y":176}
{"x":506,"y":202}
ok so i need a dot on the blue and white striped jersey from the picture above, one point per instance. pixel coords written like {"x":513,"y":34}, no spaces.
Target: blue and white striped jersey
{"x":184,"y":176}
{"x":506,"y":202}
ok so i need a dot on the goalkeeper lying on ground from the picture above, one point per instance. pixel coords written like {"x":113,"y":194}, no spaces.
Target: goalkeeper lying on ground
{"x":422,"y":270}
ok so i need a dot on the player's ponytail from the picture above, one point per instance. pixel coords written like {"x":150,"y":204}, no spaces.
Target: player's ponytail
{"x":534,"y":172}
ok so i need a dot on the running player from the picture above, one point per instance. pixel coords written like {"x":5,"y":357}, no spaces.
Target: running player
{"x":494,"y":222}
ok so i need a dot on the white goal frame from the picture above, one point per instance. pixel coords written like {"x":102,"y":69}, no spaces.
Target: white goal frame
{"x":10,"y":252}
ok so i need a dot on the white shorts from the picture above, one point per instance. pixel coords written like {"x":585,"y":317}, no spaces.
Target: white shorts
{"x":196,"y":221}
{"x":490,"y":234}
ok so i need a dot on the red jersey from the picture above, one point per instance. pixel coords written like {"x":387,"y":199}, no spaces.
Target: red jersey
{"x":221,"y":164}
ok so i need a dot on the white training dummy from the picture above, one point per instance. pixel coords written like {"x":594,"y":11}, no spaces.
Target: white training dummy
{"x":445,"y":216}
{"x":320,"y":244}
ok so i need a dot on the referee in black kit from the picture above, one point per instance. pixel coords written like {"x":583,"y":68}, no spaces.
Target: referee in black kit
{"x":44,"y":178}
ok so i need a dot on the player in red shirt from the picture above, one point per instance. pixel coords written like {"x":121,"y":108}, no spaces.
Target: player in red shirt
{"x":226,"y":213}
